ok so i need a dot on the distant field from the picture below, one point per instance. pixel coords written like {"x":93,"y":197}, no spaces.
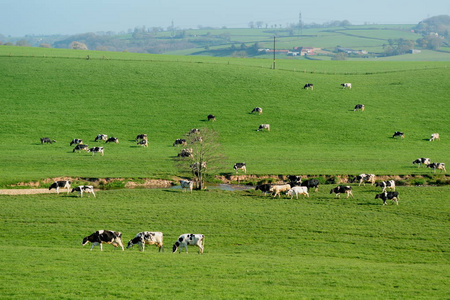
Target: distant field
{"x":255,"y":247}
{"x":313,"y":132}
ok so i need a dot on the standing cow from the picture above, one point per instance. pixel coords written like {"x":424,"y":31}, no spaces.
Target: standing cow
{"x":240,"y":166}
{"x":149,"y":238}
{"x":189,"y":239}
{"x":65,"y":184}
{"x":104,"y":237}
{"x":342,"y":189}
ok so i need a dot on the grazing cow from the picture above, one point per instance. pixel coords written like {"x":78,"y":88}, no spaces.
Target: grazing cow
{"x":346,"y":85}
{"x":211,"y":117}
{"x":189,"y":239}
{"x":76,"y":142}
{"x":279,"y":188}
{"x":80,"y":147}
{"x":311,"y":183}
{"x":187,"y":184}
{"x":60,"y":184}
{"x":422,"y":160}
{"x":258,"y":110}
{"x":438,"y":166}
{"x":342,"y":189}
{"x":112,"y":140}
{"x":47,"y":140}
{"x":298,"y":190}
{"x":265,"y":188}
{"x":240,"y":166}
{"x":398,"y":133}
{"x":149,"y":238}
{"x":388,"y":196}
{"x":359,"y":107}
{"x":84,"y":189}
{"x":143,"y":143}
{"x":104,"y":237}
{"x":363,"y":178}
{"x":309,"y":86}
{"x":186,"y":152}
{"x":94,"y":150}
{"x":194,"y":131}
{"x":101,"y":137}
{"x":388,"y":184}
{"x":435,"y":136}
{"x":294,"y":180}
{"x":179,"y":142}
{"x":264,"y":126}
{"x":142,"y":136}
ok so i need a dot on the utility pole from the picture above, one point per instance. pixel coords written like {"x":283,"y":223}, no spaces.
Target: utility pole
{"x":300,"y":23}
{"x":273,"y":65}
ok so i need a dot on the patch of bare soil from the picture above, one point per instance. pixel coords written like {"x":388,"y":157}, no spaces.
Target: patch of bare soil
{"x":25,"y":191}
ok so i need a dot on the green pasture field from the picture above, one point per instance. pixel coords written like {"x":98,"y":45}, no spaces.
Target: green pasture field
{"x":312,"y":132}
{"x":256,"y":247}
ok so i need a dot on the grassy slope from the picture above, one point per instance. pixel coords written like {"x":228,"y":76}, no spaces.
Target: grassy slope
{"x":313,"y":132}
{"x":255,"y":247}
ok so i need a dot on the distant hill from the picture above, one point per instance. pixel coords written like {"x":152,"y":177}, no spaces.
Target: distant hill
{"x":343,"y":41}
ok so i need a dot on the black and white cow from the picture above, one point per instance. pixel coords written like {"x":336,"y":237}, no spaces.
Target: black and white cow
{"x":140,"y":137}
{"x":194,"y":131}
{"x":264,"y":127}
{"x":265,"y":188}
{"x":388,"y":196}
{"x":94,"y":150}
{"x":76,"y":142}
{"x":422,"y":160}
{"x":388,"y":184}
{"x":258,"y":110}
{"x":47,"y":140}
{"x":294,"y":180}
{"x":187,"y":184}
{"x":149,"y":238}
{"x":179,"y":142}
{"x":437,"y":166}
{"x":211,"y":117}
{"x":187,"y":152}
{"x":363,"y":178}
{"x":342,"y":189}
{"x":398,"y":133}
{"x":84,"y":189}
{"x":311,"y":183}
{"x":63,"y":184}
{"x":104,"y":237}
{"x":143,"y":143}
{"x":80,"y":147}
{"x":435,"y":136}
{"x":346,"y":85}
{"x":240,"y":166}
{"x":308,"y":86}
{"x":112,"y":140}
{"x":189,"y":239}
{"x":101,"y":137}
{"x":359,"y":107}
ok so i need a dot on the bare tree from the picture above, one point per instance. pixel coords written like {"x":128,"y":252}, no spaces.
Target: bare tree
{"x":202,"y":155}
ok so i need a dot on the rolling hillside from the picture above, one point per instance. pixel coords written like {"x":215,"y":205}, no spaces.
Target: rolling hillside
{"x":63,"y":95}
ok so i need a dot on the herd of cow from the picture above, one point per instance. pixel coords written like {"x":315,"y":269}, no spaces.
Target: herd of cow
{"x":142,"y":238}
{"x":141,"y":140}
{"x":295,"y":186}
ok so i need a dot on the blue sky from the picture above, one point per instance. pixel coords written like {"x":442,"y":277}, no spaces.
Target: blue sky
{"x":22,"y":17}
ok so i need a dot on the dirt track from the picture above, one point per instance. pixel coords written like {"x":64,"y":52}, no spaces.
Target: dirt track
{"x":25,"y":191}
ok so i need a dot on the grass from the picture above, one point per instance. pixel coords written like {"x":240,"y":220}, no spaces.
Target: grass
{"x":313,"y":132}
{"x":255,"y":247}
